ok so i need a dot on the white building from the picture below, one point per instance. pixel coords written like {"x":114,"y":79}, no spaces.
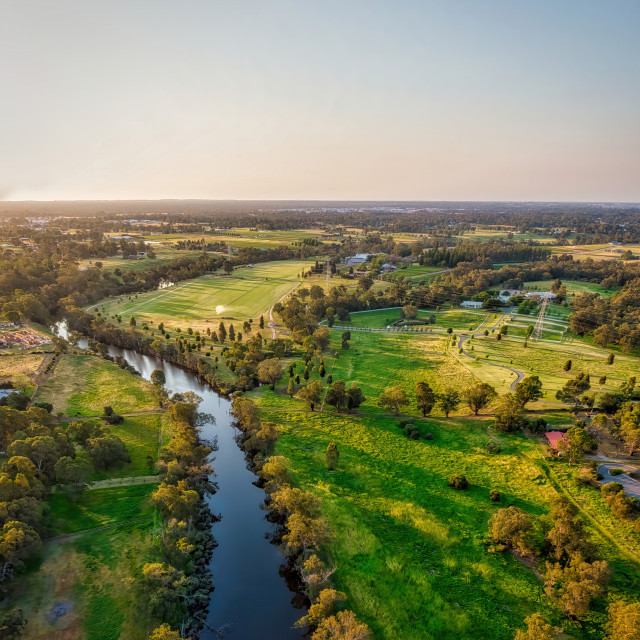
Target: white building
{"x":471,"y":304}
{"x":541,"y":294}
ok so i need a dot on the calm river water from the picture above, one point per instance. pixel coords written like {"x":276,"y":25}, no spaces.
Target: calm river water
{"x":251,"y":600}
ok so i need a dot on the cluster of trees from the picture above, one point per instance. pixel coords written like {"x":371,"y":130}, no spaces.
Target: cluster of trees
{"x":573,"y":576}
{"x":611,"y":320}
{"x":40,"y":453}
{"x":478,"y":252}
{"x":175,"y":587}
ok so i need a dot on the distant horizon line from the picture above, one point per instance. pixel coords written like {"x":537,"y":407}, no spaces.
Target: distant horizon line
{"x":317,"y":200}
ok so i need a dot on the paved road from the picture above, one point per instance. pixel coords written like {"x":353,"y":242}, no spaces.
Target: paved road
{"x":631,"y":486}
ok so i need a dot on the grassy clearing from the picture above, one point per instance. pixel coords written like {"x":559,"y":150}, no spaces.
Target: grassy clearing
{"x":19,"y":366}
{"x":408,"y":550}
{"x":100,"y":507}
{"x":245,"y":237}
{"x":380,"y":318}
{"x":142,"y":437}
{"x":247,"y":293}
{"x":82,"y":385}
{"x":88,"y":571}
{"x":547,"y":361}
{"x":375,"y":361}
{"x":164,"y":254}
{"x":573,"y":286}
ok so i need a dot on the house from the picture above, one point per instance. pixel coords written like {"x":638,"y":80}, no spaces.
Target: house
{"x":506,"y":294}
{"x":554,"y":438}
{"x":471,"y":304}
{"x":541,"y":294}
{"x":388,"y":266}
{"x":359,"y":258}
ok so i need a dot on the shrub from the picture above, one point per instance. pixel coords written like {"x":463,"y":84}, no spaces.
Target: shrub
{"x":494,"y":495}
{"x":414,"y":435}
{"x":428,"y":436}
{"x":492,"y":447}
{"x":616,"y":472}
{"x":458,"y":481}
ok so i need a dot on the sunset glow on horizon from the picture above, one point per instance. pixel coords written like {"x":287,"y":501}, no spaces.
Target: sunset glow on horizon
{"x":460,"y":100}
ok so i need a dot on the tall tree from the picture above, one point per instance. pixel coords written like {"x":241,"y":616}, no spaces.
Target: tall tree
{"x":393,"y":399}
{"x":425,"y":398}
{"x":448,"y":401}
{"x":478,"y":396}
{"x":529,"y":389}
{"x":336,"y":395}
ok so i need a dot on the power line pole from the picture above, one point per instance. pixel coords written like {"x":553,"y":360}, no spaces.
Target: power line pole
{"x":537,"y":331}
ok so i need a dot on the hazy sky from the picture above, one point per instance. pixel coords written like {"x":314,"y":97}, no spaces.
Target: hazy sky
{"x":339,"y":99}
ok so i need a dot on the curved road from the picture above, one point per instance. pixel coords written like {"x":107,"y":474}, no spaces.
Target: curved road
{"x":462,"y":340}
{"x":631,"y":486}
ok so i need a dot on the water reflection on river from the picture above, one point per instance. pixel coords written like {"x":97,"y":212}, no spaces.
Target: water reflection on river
{"x":251,"y":600}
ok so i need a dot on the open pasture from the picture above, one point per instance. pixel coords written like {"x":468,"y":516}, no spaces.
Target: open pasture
{"x":598,"y":251}
{"x":19,"y":366}
{"x":408,"y":549}
{"x":247,"y":293}
{"x":573,"y":287}
{"x":459,"y":319}
{"x":546,"y":360}
{"x":88,"y":570}
{"x":245,"y":237}
{"x":164,"y":253}
{"x":82,"y":385}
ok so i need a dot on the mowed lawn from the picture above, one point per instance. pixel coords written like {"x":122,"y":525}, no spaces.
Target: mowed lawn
{"x":247,"y":293}
{"x":82,"y":385}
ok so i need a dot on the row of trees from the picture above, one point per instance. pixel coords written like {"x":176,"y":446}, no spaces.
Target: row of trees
{"x":175,"y":586}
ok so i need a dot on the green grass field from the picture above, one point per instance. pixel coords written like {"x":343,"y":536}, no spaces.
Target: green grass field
{"x":88,"y":571}
{"x":247,"y":293}
{"x":380,"y":318}
{"x":408,"y":550}
{"x":573,"y":286}
{"x":83,"y":385}
{"x":547,"y":361}
{"x":142,"y":436}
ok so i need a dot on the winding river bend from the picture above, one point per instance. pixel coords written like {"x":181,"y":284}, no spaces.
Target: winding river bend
{"x":251,"y":600}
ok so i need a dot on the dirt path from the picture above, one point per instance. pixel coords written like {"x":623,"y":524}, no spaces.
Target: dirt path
{"x":131,"y":414}
{"x":272,"y":323}
{"x":122,"y":482}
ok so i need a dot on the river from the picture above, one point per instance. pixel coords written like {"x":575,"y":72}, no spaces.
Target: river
{"x":251,"y":600}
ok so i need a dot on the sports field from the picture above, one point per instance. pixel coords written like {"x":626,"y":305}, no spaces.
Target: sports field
{"x":247,"y":293}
